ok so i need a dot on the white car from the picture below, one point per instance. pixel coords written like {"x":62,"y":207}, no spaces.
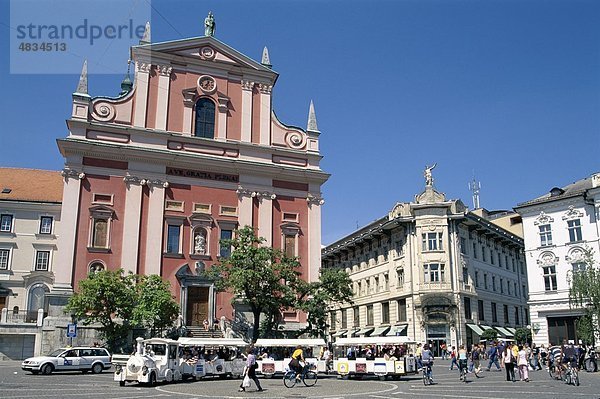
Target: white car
{"x":70,"y":359}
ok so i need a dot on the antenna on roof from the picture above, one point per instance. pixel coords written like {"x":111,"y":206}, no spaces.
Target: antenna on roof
{"x":475,"y":186}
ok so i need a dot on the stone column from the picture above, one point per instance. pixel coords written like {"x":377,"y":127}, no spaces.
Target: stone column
{"x":62,"y":288}
{"x":265,"y":216}
{"x":142,"y":79}
{"x":222,"y":118}
{"x":265,"y":113}
{"x":188,"y":110}
{"x":314,"y":243}
{"x":162,"y":100}
{"x":155,"y":226}
{"x":247,"y":87}
{"x":131,"y":224}
{"x":244,"y":206}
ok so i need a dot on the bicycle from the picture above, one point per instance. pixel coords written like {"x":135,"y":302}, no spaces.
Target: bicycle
{"x":555,"y":371}
{"x":427,"y":374}
{"x":308,"y":377}
{"x":571,"y":375}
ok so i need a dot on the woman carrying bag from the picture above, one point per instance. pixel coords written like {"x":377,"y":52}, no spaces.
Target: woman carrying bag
{"x":250,"y":372}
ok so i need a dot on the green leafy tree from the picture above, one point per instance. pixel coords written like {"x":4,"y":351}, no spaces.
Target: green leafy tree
{"x":333,"y":287}
{"x":584,"y":295}
{"x":156,"y":308}
{"x":489,"y":335}
{"x":259,"y":276}
{"x":523,"y":335}
{"x":106,"y":298}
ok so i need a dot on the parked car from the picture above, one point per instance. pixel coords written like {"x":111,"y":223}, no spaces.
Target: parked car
{"x":82,"y":359}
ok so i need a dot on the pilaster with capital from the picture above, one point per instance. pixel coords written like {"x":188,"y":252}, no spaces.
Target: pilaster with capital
{"x":69,"y":215}
{"x":142,"y":80}
{"x":265,"y":113}
{"x":154,"y":226}
{"x":247,"y":92}
{"x":162,"y":99}
{"x":131,"y":223}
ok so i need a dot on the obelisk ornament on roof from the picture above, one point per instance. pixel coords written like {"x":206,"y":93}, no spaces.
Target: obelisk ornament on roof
{"x":209,"y":25}
{"x":428,"y":175}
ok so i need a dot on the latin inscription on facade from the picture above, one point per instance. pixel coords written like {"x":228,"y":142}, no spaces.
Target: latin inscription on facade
{"x":202,"y":175}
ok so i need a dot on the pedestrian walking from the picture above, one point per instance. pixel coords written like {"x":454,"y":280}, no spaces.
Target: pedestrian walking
{"x":250,"y":372}
{"x":453,"y":359}
{"x":535,"y":357}
{"x":443,"y":350}
{"x":508,"y":360}
{"x":523,"y":364}
{"x":493,"y":354}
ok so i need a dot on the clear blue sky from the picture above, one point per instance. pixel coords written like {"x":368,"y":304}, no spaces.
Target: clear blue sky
{"x":509,"y":90}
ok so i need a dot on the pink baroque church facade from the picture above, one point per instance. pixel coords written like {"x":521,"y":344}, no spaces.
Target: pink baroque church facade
{"x":189,"y":151}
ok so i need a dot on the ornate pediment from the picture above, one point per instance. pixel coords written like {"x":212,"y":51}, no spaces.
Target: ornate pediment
{"x":543,"y":219}
{"x":430,"y":196}
{"x":203,"y":50}
{"x":400,"y":209}
{"x":575,"y":255}
{"x":572,"y":213}
{"x":547,"y":259}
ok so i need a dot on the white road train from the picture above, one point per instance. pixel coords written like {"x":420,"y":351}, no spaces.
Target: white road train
{"x":160,"y":360}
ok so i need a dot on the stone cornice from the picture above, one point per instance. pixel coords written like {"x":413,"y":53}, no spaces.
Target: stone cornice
{"x":188,"y":160}
{"x":167,"y":135}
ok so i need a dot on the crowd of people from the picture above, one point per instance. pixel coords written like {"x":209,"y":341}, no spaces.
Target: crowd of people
{"x":516,"y":360}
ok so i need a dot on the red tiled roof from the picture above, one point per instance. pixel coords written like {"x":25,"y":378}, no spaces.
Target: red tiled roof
{"x":30,"y":185}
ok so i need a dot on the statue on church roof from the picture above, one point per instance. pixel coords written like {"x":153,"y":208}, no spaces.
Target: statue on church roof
{"x":209,"y":25}
{"x":428,"y":175}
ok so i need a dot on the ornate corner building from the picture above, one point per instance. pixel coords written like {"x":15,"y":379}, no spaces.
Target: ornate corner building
{"x":30,"y":205}
{"x":433,"y":271}
{"x":559,"y":227}
{"x":189,"y":151}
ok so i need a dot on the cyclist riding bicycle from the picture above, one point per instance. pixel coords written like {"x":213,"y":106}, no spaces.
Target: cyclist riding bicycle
{"x":462,"y":361}
{"x":297,"y":357}
{"x":427,"y":360}
{"x":568,"y":356}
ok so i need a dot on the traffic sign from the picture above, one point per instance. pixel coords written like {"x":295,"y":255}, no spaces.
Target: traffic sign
{"x":71,"y":330}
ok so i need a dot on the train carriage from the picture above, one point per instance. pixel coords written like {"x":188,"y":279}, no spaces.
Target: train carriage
{"x":351,"y":359}
{"x":274,"y":355}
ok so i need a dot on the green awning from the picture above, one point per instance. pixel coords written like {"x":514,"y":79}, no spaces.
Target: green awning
{"x":365,"y":331}
{"x":380,"y":331}
{"x":476,"y":329}
{"x":396,"y":330}
{"x":504,"y":331}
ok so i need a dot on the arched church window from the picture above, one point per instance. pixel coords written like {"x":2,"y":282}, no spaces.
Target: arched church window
{"x":205,"y":118}
{"x":37,"y":297}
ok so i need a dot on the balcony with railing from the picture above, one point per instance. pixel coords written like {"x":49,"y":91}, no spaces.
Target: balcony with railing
{"x":23,"y":317}
{"x":434,"y":286}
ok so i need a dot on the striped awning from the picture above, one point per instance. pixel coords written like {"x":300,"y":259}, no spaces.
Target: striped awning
{"x":340,"y":333}
{"x":396,"y":330}
{"x":380,"y":331}
{"x":365,"y":330}
{"x":352,"y":333}
{"x":476,"y":329}
{"x":511,"y":329}
{"x":504,"y":331}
